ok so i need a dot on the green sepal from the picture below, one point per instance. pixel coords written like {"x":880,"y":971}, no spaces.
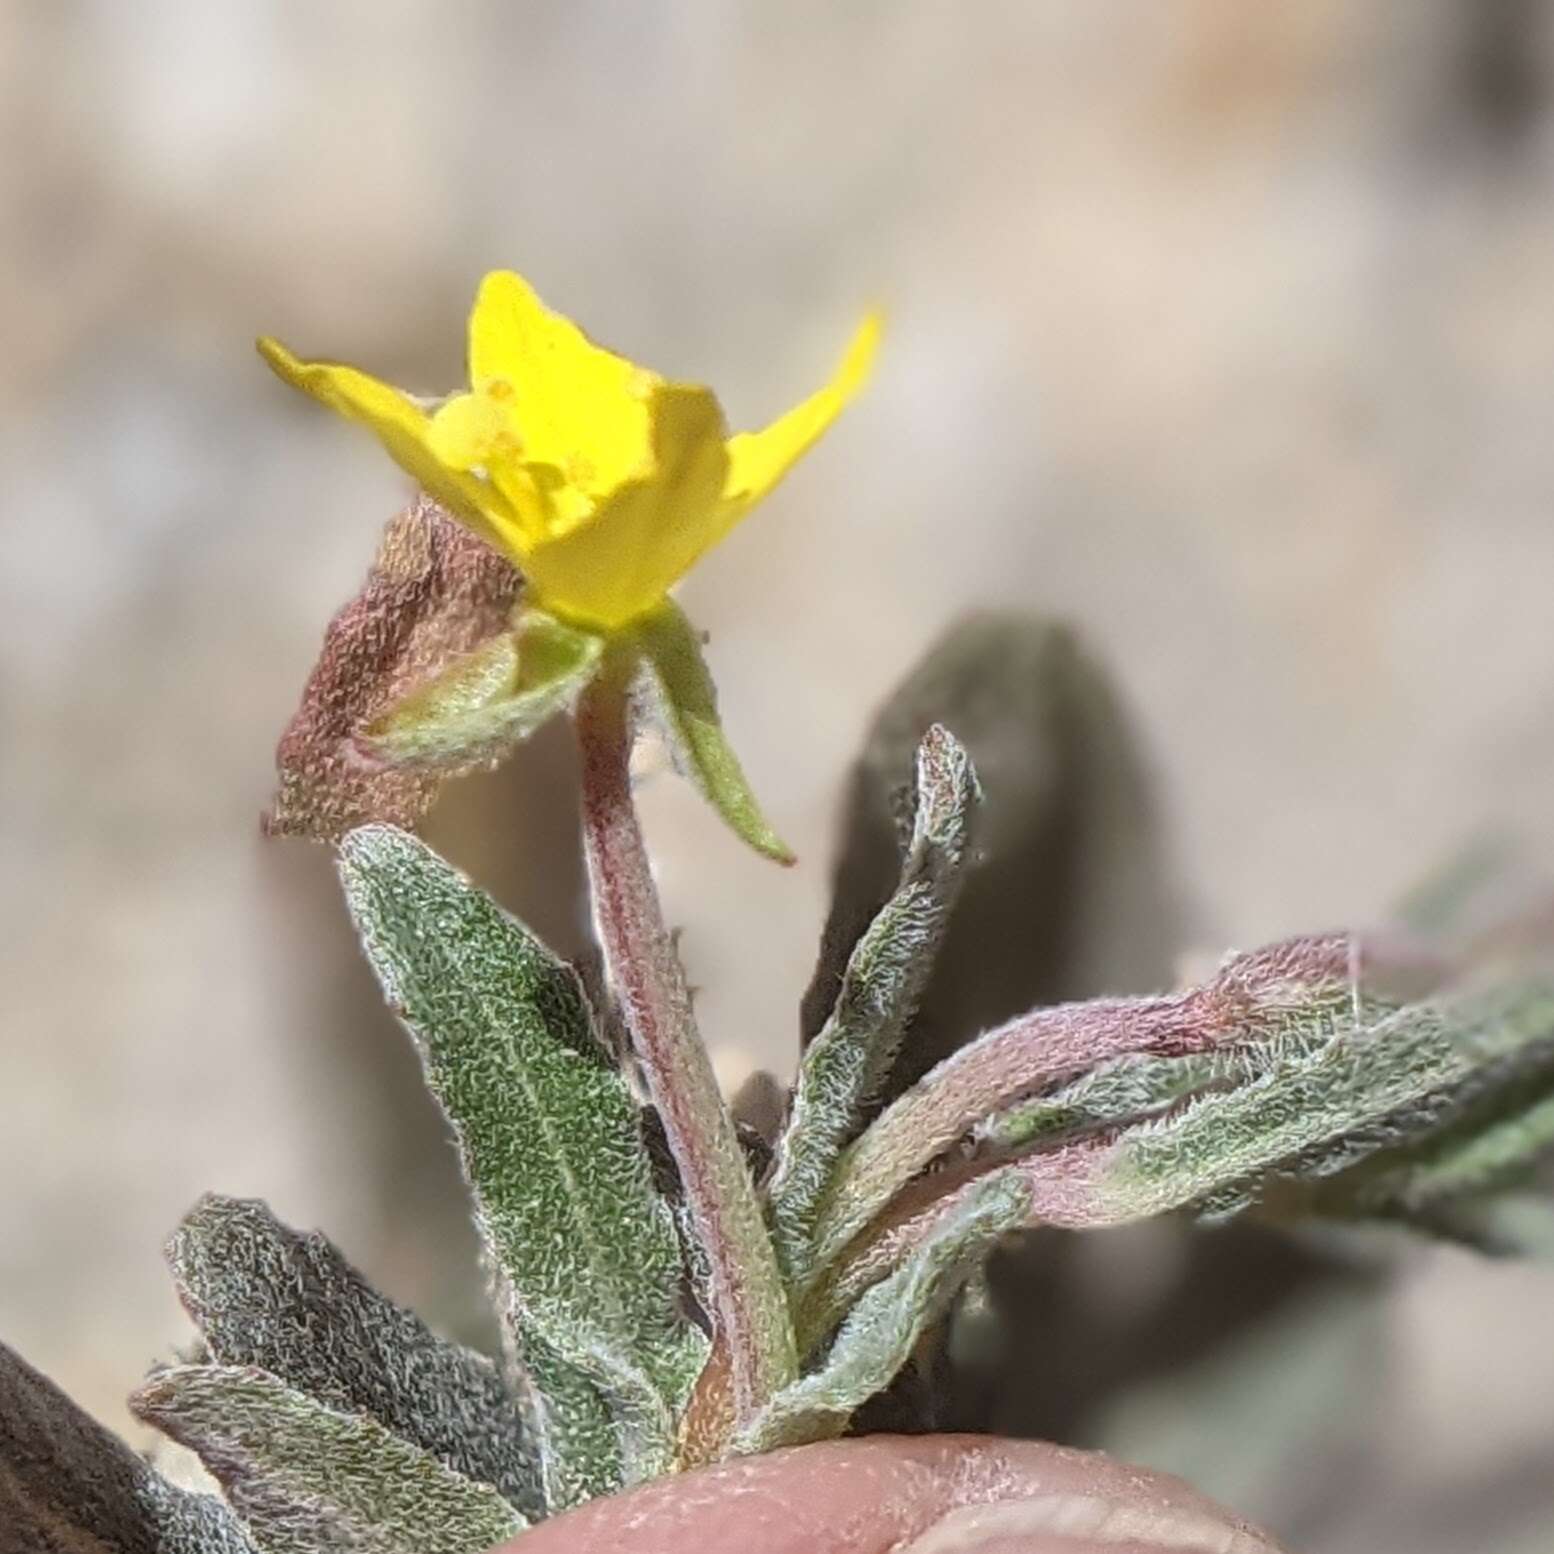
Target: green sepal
{"x":489,"y":700}
{"x":310,"y":1479}
{"x":675,"y":690}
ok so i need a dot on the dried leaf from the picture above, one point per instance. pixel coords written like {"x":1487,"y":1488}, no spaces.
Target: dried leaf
{"x":434,"y":592}
{"x":548,"y":1130}
{"x":265,"y":1296}
{"x":309,"y":1479}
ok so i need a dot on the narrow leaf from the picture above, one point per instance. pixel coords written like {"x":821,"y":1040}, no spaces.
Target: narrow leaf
{"x":1307,"y":987}
{"x":547,"y":1128}
{"x":1228,"y":1151}
{"x":1355,"y":1081}
{"x":846,"y":1063}
{"x":1069,"y":895}
{"x":309,"y":1479}
{"x":1129,"y":1089}
{"x":477,"y":708}
{"x":881,"y":1331}
{"x":68,"y":1486}
{"x":265,"y":1296}
{"x":576,"y":1431}
{"x":1497,"y":1144}
{"x":677,"y":692}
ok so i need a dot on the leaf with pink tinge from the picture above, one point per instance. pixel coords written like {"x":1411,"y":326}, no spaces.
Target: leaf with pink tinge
{"x":1421,"y":1101}
{"x":434,"y":592}
{"x":1306,"y":983}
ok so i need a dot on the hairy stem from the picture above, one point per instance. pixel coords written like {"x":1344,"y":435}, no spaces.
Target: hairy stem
{"x":749,"y":1306}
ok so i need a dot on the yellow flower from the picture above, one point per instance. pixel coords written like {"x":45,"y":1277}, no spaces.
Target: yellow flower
{"x":601,"y":480}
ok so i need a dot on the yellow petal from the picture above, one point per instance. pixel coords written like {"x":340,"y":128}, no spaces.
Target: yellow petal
{"x":467,"y":429}
{"x":621,"y":562}
{"x":758,"y":460}
{"x":403,"y":428}
{"x":578,"y":407}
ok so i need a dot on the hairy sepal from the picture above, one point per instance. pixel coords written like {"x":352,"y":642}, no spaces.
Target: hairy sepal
{"x":674,"y":692}
{"x":477,"y":709}
{"x":434,"y":593}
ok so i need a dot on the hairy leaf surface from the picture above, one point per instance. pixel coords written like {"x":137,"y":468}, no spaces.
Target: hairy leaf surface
{"x":548,"y":1131}
{"x":883,"y":1327}
{"x":67,"y":1486}
{"x":310,"y":1479}
{"x":847,"y":1062}
{"x":264,"y":1295}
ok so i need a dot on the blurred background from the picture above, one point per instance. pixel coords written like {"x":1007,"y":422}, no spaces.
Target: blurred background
{"x":1222,"y":331}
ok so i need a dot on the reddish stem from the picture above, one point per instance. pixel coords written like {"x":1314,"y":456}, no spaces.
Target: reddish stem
{"x":750,"y":1311}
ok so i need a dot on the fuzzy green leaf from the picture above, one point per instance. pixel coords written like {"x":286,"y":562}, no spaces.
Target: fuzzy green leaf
{"x":549,"y":1133}
{"x":676,"y":690}
{"x":1302,"y":989}
{"x":310,"y":1479}
{"x":849,"y":1059}
{"x":67,"y":1486}
{"x":1344,"y":1094}
{"x":1496,"y":1143}
{"x":1128,"y":1089}
{"x":576,"y":1431}
{"x":487,"y":701}
{"x":263,"y":1295}
{"x":882,"y":1329}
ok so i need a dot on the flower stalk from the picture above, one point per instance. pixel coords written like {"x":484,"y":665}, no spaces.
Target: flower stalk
{"x":749,"y":1307}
